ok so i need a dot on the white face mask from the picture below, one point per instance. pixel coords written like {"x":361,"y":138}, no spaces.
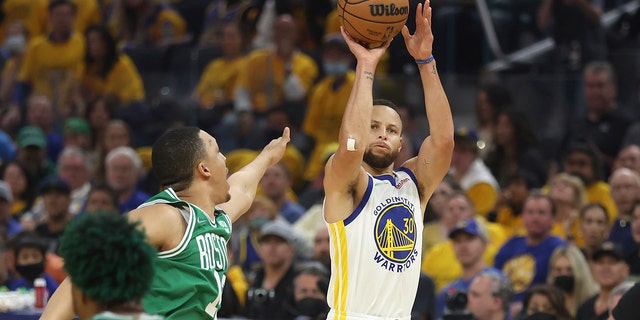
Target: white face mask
{"x":15,"y":43}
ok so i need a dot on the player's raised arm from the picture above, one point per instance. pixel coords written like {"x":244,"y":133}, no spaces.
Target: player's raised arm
{"x":244,"y":183}
{"x":434,"y":157}
{"x":345,"y":180}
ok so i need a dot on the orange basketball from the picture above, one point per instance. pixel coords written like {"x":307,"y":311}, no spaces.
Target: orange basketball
{"x":371,"y":22}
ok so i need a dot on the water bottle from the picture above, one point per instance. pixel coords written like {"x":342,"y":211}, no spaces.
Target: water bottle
{"x":41,"y":293}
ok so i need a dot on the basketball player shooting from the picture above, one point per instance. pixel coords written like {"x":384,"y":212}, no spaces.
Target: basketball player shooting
{"x":374,"y":213}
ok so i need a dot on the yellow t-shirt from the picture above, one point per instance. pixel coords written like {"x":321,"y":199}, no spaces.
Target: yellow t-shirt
{"x":265,"y":74}
{"x":324,"y":115}
{"x":443,"y":267}
{"x":123,"y":81}
{"x":484,"y":197}
{"x":218,"y":81}
{"x":88,"y":13}
{"x":598,"y":192}
{"x":53,"y":67}
{"x":511,"y":223}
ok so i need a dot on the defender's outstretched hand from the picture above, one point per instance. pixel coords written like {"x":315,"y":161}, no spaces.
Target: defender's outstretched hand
{"x":363,"y":54}
{"x":420,"y":44}
{"x":275,"y":149}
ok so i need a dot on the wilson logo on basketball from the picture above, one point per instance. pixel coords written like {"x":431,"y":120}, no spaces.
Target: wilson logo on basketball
{"x":379,"y":10}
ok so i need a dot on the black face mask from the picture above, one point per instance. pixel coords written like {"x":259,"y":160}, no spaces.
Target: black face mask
{"x":565,"y":283}
{"x":312,"y":307}
{"x":31,"y":271}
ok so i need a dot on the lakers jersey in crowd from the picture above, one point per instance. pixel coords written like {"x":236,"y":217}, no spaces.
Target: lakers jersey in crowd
{"x":375,"y":252}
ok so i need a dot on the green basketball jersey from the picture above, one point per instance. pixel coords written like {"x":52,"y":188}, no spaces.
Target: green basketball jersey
{"x":188,"y":279}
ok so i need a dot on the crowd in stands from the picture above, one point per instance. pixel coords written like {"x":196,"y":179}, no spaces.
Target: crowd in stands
{"x":520,"y":227}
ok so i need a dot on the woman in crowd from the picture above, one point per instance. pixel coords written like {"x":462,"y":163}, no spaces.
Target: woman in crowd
{"x":547,"y":299}
{"x":570,"y":196}
{"x":594,"y":227}
{"x":569,"y":272}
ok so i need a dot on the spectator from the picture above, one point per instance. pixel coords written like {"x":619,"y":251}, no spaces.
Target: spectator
{"x":245,"y":238}
{"x":568,"y":193}
{"x":102,"y":198}
{"x":29,"y":258}
{"x":609,"y":270}
{"x":490,"y":296}
{"x":9,"y":225}
{"x":77,"y":133}
{"x":217,"y":86}
{"x":56,"y":199}
{"x":525,"y":260}
{"x":633,"y":257}
{"x":75,"y":169}
{"x":100,"y":112}
{"x":509,"y":207}
{"x":604,"y":125}
{"x":275,"y":183}
{"x":321,"y":250}
{"x":92,"y":254}
{"x":516,"y":149}
{"x":491,"y":99}
{"x":40,"y":114}
{"x":569,"y":271}
{"x":471,"y":173}
{"x":22,"y":189}
{"x":625,"y":190}
{"x":43,"y":72}
{"x":628,"y":157}
{"x":437,"y":230}
{"x":470,"y":240}
{"x":123,"y":172}
{"x":310,"y":293}
{"x":273,"y":76}
{"x":108,"y":72}
{"x":18,"y":12}
{"x":440,"y":262}
{"x":216,"y":16}
{"x":580,"y":160}
{"x":140,"y":23}
{"x":12,"y":54}
{"x":547,"y":299}
{"x":327,"y":101}
{"x":594,"y":227}
{"x":31,"y":153}
{"x":116,"y":134}
{"x":270,"y":288}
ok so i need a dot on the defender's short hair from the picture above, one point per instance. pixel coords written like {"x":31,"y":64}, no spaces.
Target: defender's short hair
{"x":174,"y":156}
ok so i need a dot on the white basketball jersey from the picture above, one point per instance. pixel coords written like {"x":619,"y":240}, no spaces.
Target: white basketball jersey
{"x":375,"y":252}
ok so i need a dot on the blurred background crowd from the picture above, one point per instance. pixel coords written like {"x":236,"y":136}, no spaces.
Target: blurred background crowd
{"x":540,"y":212}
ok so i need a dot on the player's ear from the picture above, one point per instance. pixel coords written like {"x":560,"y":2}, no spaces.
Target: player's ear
{"x":203,"y":169}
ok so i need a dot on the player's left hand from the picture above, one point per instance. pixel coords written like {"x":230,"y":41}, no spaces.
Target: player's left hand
{"x":276,"y":148}
{"x":420,"y":44}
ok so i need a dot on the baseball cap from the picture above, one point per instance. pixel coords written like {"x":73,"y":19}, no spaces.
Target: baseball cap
{"x":31,"y":136}
{"x":466,"y":138}
{"x":5,"y":192}
{"x":469,"y":226}
{"x":77,"y":126}
{"x":54,"y":183}
{"x":609,"y":248}
{"x":277,"y":228}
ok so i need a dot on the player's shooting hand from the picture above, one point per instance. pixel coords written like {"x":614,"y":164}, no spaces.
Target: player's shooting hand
{"x":362,"y":53}
{"x":275,"y":149}
{"x":420,"y":44}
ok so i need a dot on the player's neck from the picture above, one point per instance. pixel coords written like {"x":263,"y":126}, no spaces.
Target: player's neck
{"x":199,"y":196}
{"x":377,"y":171}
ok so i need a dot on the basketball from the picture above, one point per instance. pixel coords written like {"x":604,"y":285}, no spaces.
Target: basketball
{"x":372,"y":22}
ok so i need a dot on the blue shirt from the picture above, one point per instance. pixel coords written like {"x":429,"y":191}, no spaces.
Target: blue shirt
{"x":7,"y":148}
{"x":18,"y":283}
{"x":291,"y":211}
{"x":526,"y":265}
{"x":136,"y":199}
{"x":13,"y":227}
{"x":621,"y":233}
{"x":458,"y":285}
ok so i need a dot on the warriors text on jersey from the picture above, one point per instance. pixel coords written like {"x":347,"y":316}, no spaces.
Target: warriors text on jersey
{"x":189,"y":278}
{"x":375,"y":252}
